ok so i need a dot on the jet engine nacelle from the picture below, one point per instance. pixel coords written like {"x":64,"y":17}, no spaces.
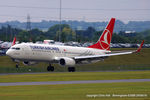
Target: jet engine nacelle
{"x":28,"y":63}
{"x":65,"y":61}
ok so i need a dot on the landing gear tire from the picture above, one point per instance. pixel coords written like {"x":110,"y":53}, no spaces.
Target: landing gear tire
{"x":50,"y":68}
{"x":17,"y":66}
{"x":71,"y":69}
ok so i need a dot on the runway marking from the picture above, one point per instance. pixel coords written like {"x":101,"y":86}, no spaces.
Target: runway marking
{"x":73,"y":82}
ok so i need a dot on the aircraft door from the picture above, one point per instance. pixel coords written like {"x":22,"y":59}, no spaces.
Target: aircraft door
{"x":26,"y":52}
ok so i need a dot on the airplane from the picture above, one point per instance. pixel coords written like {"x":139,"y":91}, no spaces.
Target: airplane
{"x":31,"y":53}
{"x":5,"y":45}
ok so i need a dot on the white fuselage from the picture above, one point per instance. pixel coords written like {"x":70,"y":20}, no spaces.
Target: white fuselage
{"x":48,"y":53}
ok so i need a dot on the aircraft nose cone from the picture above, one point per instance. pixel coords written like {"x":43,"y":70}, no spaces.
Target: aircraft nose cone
{"x":8,"y":53}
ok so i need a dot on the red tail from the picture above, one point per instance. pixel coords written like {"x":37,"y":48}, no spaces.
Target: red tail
{"x":14,"y":41}
{"x":105,"y":39}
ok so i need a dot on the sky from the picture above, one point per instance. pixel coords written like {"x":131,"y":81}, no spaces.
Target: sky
{"x":82,"y":10}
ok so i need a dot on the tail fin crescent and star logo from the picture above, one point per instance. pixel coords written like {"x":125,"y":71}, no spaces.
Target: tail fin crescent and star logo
{"x":105,"y":38}
{"x":104,"y":42}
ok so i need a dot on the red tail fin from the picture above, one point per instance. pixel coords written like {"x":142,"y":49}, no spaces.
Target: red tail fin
{"x":14,"y":41}
{"x":105,"y":39}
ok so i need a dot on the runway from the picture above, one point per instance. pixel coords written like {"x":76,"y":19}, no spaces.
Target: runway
{"x":73,"y":82}
{"x":66,"y":72}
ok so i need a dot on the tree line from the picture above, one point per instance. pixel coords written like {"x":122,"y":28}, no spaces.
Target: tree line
{"x":68,"y":34}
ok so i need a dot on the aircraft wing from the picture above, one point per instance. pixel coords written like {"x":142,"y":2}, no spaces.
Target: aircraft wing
{"x":110,"y":54}
{"x":102,"y":56}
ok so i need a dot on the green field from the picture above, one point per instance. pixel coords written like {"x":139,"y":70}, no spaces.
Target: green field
{"x":76,"y":91}
{"x":138,"y":61}
{"x":66,"y":76}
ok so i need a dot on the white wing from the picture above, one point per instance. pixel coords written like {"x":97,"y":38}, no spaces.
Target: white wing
{"x":103,"y":56}
{"x":110,"y":54}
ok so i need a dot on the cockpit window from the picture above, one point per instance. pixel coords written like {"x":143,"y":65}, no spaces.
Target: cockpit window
{"x":15,"y":48}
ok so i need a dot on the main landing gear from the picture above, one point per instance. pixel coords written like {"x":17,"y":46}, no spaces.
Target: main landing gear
{"x":17,"y":65}
{"x":71,"y":69}
{"x":50,"y":68}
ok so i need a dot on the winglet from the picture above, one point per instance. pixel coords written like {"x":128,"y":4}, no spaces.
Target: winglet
{"x":139,"y":49}
{"x":14,"y":41}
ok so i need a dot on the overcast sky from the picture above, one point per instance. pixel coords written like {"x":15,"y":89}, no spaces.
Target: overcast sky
{"x":87,"y":10}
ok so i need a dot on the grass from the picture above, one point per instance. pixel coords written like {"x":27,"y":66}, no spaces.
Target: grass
{"x":138,"y":61}
{"x":66,"y":76}
{"x":75,"y":91}
{"x":79,"y":91}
